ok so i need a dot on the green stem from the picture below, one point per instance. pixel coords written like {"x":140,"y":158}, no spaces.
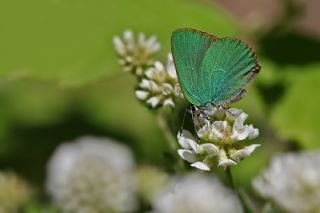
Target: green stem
{"x":240,"y":193}
{"x":167,"y":132}
{"x":172,"y":141}
{"x":230,"y":179}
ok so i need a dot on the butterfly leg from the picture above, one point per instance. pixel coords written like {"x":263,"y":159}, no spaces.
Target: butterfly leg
{"x":205,"y":114}
{"x":225,"y":109}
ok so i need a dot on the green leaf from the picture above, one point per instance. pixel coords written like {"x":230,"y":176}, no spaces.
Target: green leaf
{"x":33,"y":102}
{"x":296,"y":116}
{"x":113,"y":107}
{"x":71,"y":41}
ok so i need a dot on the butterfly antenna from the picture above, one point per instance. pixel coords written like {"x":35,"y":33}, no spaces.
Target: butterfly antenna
{"x":193,"y":110}
{"x":183,"y":120}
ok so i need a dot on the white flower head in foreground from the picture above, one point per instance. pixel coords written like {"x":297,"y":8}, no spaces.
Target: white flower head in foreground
{"x":14,"y":192}
{"x":196,"y":192}
{"x":135,"y":55}
{"x":159,"y":86}
{"x":292,"y":182}
{"x":221,"y":137}
{"x":92,"y":175}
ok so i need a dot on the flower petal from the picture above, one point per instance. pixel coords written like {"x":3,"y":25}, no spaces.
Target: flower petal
{"x":239,"y":121}
{"x":210,"y":148}
{"x":201,"y":165}
{"x":139,"y":70}
{"x":141,"y":39}
{"x":168,"y":102}
{"x":218,"y":128}
{"x":141,"y":95}
{"x":127,"y":68}
{"x":187,"y":155}
{"x":233,"y":113}
{"x":153,"y":101}
{"x":144,"y":84}
{"x":247,"y":151}
{"x":149,"y":85}
{"x":159,"y":66}
{"x":205,"y":131}
{"x":154,"y":48}
{"x":128,"y":36}
{"x":151,"y":73}
{"x":253,"y":132}
{"x":170,"y":67}
{"x":239,"y":132}
{"x":226,"y":162}
{"x":119,"y":46}
{"x":186,"y":140}
{"x":167,"y":89}
{"x":152,"y":40}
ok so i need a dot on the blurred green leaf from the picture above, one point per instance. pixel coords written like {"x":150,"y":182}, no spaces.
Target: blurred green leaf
{"x":296,"y":116}
{"x":252,"y":104}
{"x":252,"y":165}
{"x":36,"y":207}
{"x":71,"y":41}
{"x":112,"y":106}
{"x":270,"y":84}
{"x":32,"y":102}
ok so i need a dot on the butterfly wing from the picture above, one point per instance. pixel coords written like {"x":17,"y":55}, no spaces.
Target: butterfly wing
{"x":188,"y":48}
{"x":227,"y":66}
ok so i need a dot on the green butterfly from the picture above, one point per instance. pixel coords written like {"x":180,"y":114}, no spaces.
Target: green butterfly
{"x":212,"y":70}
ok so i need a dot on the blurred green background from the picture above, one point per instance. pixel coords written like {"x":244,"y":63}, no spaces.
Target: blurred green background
{"x":59,"y":77}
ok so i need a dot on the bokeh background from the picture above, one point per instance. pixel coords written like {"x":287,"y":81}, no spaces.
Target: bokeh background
{"x":59,"y":77}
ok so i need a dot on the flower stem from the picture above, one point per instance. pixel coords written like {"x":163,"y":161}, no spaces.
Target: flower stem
{"x":167,"y":132}
{"x":230,"y":179}
{"x":172,"y":141}
{"x":240,"y":193}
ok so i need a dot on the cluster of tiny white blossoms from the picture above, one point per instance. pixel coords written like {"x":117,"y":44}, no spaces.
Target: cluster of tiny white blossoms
{"x":159,"y":86}
{"x":14,"y":192}
{"x":92,"y":175}
{"x":196,"y":192}
{"x":219,"y":137}
{"x":292,"y":182}
{"x":135,"y":55}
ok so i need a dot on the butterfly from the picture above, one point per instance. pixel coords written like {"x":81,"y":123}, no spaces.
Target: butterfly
{"x":212,"y":71}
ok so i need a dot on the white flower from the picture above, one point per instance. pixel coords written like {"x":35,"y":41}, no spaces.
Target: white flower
{"x":135,"y":55}
{"x":292,"y":182}
{"x":196,"y":192}
{"x":159,"y":86}
{"x":220,"y":137}
{"x":92,"y":175}
{"x":14,"y":192}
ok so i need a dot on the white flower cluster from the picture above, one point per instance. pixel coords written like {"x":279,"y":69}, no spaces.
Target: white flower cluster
{"x":292,"y":182}
{"x":135,"y":55}
{"x":92,"y":175}
{"x":196,"y":192}
{"x":14,"y":192}
{"x":220,"y":137}
{"x":159,"y":86}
